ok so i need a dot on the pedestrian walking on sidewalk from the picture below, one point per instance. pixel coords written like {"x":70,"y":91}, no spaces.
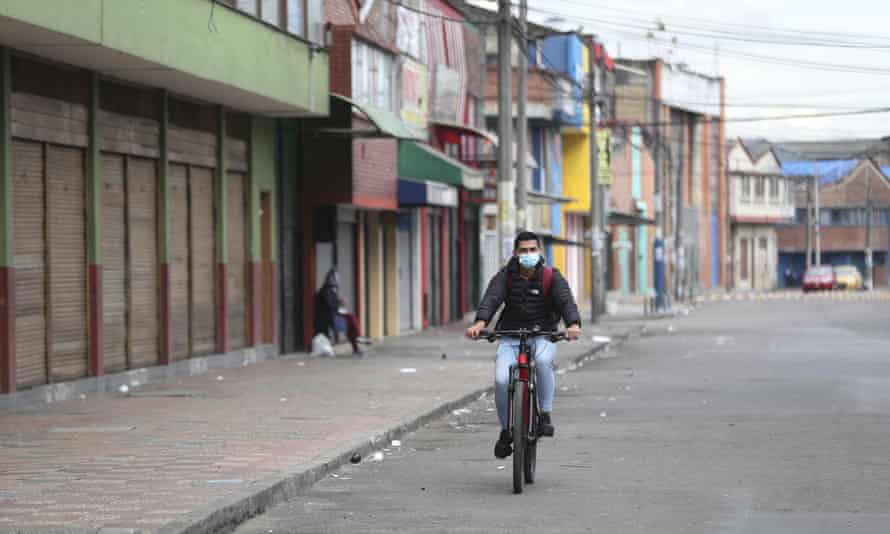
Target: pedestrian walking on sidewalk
{"x":535,"y":296}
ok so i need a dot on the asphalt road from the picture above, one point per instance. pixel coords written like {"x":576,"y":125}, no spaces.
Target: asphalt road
{"x":744,"y":417}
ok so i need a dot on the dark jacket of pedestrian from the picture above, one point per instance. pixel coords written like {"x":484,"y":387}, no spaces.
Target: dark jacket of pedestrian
{"x":327,"y":300}
{"x":526,"y":306}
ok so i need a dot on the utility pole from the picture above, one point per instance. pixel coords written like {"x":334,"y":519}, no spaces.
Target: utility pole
{"x":869,"y":261}
{"x":680,"y":265}
{"x":521,"y":121}
{"x":816,"y":183}
{"x":506,"y":191}
{"x":596,"y":287}
{"x":809,"y":186}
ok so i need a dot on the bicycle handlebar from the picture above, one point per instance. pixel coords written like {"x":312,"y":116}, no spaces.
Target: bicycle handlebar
{"x":493,"y":335}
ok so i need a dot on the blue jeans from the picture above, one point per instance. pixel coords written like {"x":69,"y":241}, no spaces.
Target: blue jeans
{"x":508,"y":351}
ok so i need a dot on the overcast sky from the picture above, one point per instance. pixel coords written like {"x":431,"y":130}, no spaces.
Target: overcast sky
{"x":754,"y":83}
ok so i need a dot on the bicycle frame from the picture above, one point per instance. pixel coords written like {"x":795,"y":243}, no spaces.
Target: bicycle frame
{"x":525,"y":371}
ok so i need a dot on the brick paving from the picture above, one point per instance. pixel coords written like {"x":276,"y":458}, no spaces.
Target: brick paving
{"x":144,"y":459}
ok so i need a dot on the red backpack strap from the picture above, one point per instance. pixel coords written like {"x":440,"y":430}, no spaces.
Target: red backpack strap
{"x":547,"y":280}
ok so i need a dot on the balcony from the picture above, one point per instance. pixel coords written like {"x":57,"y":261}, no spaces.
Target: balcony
{"x":197,"y":48}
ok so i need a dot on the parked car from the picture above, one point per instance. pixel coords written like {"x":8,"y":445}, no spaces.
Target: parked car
{"x":847,"y":277}
{"x":819,"y":277}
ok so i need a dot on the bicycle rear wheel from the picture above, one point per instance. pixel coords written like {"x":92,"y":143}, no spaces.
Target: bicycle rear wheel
{"x":520,"y":434}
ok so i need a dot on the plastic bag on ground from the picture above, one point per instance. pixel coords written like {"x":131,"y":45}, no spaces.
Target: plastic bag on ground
{"x":321,"y":346}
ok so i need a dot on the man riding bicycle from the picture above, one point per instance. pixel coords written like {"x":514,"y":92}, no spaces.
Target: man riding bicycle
{"x":536,"y":297}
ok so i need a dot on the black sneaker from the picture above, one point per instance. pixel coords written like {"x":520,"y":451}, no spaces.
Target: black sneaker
{"x":504,"y":445}
{"x":546,"y":426}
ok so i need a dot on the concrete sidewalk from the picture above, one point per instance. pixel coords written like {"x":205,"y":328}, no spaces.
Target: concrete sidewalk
{"x":201,"y":453}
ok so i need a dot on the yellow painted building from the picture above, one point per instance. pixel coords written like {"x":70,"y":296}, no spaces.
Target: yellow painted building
{"x":574,"y":261}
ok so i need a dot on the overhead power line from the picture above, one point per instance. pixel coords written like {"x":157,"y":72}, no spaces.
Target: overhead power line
{"x":752,"y":32}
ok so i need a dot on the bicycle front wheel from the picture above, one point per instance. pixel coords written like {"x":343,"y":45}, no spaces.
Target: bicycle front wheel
{"x":531,"y":451}
{"x":520,"y":434}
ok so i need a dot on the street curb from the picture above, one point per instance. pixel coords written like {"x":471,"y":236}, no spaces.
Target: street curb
{"x":229,"y":512}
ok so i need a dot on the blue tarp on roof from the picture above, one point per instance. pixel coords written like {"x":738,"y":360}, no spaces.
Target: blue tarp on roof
{"x":886,"y":171}
{"x":828,"y":171}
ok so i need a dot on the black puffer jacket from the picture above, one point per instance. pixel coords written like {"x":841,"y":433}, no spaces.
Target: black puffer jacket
{"x":526,"y":306}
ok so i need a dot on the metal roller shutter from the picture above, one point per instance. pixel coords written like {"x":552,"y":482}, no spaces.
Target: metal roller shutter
{"x":30,"y":254}
{"x":237,"y":264}
{"x":203,"y":261}
{"x":142,"y":223}
{"x":179,"y":261}
{"x":114,"y":262}
{"x":66,"y":240}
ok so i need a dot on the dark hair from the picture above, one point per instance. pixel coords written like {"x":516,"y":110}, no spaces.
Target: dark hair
{"x":525,"y":235}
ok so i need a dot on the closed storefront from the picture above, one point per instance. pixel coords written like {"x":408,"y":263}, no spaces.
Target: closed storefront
{"x":192,"y":149}
{"x":51,"y":254}
{"x":49,"y":214}
{"x":130,"y":144}
{"x":180,"y":316}
{"x":237,"y":270}
{"x":30,"y":263}
{"x":131,"y":269}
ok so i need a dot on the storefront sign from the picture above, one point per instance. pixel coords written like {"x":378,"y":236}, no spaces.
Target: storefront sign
{"x":415,"y":106}
{"x":441,"y":195}
{"x":446,"y":94}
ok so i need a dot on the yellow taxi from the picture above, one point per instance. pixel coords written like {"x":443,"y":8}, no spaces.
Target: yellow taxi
{"x":847,"y":277}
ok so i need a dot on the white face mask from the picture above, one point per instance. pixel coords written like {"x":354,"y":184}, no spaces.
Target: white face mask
{"x":529,"y":260}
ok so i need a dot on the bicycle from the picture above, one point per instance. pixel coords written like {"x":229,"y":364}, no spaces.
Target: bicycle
{"x":522,"y":408}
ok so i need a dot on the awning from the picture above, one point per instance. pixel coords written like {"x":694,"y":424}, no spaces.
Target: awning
{"x":387,"y":124}
{"x":469,"y":130}
{"x":424,"y":193}
{"x":566,"y":242}
{"x":620,"y":218}
{"x":547,"y":198}
{"x":419,"y":161}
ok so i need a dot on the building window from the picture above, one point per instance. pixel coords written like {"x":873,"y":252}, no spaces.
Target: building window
{"x":372,"y":76}
{"x":289,"y":15}
{"x":800,"y":215}
{"x":251,"y":7}
{"x":746,"y":188}
{"x":774,"y":189}
{"x":270,"y":11}
{"x":743,"y":258}
{"x":760,"y":191}
{"x":296,"y":17}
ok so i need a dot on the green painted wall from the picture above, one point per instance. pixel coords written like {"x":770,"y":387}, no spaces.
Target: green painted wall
{"x":240,"y":51}
{"x":6,"y":179}
{"x":262,"y":170}
{"x":78,"y":18}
